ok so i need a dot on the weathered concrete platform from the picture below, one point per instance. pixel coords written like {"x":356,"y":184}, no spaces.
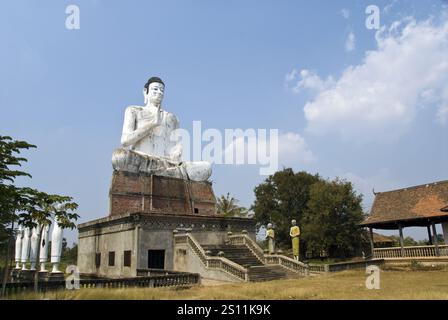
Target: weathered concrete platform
{"x":133,"y":240}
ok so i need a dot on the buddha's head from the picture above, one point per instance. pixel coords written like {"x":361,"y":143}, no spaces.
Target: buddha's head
{"x":293,"y":222}
{"x":153,"y":91}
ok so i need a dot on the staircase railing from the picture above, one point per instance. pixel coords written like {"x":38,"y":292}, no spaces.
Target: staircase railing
{"x":220,"y":263}
{"x":276,"y":259}
{"x":244,"y":239}
{"x":288,"y":263}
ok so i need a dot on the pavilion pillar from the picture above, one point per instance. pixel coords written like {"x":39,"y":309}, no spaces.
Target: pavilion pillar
{"x":445,"y":231}
{"x":436,"y":243}
{"x":372,"y":245}
{"x":429,"y":234}
{"x":400,"y":228}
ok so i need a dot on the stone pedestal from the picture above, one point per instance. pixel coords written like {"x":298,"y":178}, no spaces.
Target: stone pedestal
{"x":140,"y":233}
{"x":145,"y":193}
{"x":53,"y":276}
{"x":144,"y":211}
{"x":28,"y":276}
{"x":25,"y":275}
{"x":14,"y":275}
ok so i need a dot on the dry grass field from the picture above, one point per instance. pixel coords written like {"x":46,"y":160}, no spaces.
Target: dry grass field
{"x":395,"y":284}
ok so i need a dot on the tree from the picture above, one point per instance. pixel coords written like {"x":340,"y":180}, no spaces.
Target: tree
{"x":327,"y":212}
{"x":407,"y":241}
{"x":26,"y":206}
{"x":12,"y":198}
{"x":282,"y":197}
{"x":228,"y":206}
{"x":69,"y":255}
{"x":332,"y":220}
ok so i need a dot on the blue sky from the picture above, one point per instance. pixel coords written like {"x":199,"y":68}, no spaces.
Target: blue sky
{"x":299,"y":66}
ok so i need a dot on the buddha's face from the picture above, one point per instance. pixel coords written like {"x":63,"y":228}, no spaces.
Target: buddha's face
{"x":155,"y":93}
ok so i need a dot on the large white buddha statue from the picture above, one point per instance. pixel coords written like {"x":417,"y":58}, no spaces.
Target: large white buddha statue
{"x":146,"y":140}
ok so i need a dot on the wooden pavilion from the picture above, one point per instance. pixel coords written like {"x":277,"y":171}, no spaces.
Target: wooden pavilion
{"x":419,"y":206}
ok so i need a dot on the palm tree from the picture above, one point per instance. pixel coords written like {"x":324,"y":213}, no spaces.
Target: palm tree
{"x":228,"y":206}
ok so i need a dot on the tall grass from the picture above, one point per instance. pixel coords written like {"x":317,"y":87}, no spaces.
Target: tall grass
{"x":342,"y":285}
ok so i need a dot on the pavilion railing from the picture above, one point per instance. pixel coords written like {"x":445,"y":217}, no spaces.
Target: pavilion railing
{"x":411,"y":252}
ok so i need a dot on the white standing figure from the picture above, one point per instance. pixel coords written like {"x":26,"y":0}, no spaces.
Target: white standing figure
{"x":34,"y":246}
{"x":56,"y":246}
{"x":43,"y":255}
{"x":18,"y":248}
{"x":25,"y":248}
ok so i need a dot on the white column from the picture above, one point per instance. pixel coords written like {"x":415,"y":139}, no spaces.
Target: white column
{"x":25,"y":247}
{"x":34,"y":246}
{"x":445,"y":231}
{"x":43,"y":255}
{"x":18,"y":247}
{"x":56,"y":246}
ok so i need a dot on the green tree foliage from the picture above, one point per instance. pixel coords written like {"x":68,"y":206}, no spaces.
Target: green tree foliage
{"x":228,"y":206}
{"x":328,"y":212}
{"x":69,"y":255}
{"x":409,"y":241}
{"x":331,"y":222}
{"x":12,"y":198}
{"x":282,"y":197}
{"x":26,"y":206}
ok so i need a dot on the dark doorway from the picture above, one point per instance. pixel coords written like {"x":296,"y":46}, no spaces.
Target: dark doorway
{"x":156,"y":259}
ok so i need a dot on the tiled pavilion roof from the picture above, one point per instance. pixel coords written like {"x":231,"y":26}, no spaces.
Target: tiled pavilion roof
{"x":409,"y":206}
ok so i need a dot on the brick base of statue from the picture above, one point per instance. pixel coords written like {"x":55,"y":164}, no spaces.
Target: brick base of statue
{"x":146,"y":193}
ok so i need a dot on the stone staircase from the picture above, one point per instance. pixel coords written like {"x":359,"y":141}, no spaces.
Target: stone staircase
{"x":239,"y":254}
{"x":266,"y":273}
{"x":242,"y":255}
{"x":239,"y":258}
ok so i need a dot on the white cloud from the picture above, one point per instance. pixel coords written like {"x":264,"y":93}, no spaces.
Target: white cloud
{"x":345,"y":13}
{"x":379,"y":98}
{"x":291,"y":76}
{"x":292,"y":149}
{"x":309,"y":80}
{"x":268,"y":151}
{"x":350,"y":42}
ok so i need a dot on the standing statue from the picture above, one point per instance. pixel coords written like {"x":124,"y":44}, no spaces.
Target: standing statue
{"x":25,"y":248}
{"x":147,"y":144}
{"x":18,"y":247}
{"x":294,"y":232}
{"x":56,"y":246}
{"x":270,"y":235}
{"x":43,"y":255}
{"x":34,"y":246}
